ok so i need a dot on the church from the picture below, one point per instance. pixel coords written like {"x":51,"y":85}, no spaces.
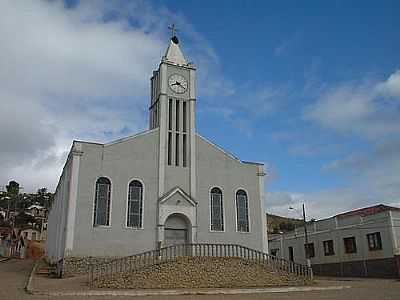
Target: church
{"x":164,"y":186}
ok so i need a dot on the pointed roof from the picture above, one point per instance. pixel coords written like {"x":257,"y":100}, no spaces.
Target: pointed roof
{"x":178,"y":190}
{"x":174,"y":53}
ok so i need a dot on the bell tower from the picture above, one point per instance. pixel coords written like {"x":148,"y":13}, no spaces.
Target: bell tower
{"x":172,"y":111}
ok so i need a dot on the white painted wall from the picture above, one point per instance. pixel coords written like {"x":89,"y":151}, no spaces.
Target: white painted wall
{"x":323,"y":230}
{"x":56,"y":228}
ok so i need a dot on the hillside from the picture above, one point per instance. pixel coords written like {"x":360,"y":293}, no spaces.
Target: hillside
{"x":278,"y":223}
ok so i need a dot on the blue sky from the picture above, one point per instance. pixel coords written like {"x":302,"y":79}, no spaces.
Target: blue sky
{"x":312,"y":89}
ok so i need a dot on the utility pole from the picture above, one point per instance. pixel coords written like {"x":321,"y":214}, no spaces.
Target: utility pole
{"x":305,"y":225}
{"x":306,"y":237}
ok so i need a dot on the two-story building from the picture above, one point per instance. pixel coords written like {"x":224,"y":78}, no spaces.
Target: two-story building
{"x":362,"y":242}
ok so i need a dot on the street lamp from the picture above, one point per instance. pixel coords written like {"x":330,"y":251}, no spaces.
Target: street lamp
{"x":305,"y":234}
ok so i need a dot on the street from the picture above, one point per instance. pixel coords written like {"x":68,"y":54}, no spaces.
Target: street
{"x":14,"y":274}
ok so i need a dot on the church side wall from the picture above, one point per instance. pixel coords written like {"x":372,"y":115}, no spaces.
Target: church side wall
{"x":56,"y":233}
{"x":217,"y":169}
{"x":120,"y":162}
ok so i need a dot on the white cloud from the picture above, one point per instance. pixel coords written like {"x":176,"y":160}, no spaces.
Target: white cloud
{"x":367,"y":110}
{"x":390,"y":87}
{"x":76,"y":73}
{"x":360,"y":108}
{"x":322,"y":204}
{"x":376,"y":172}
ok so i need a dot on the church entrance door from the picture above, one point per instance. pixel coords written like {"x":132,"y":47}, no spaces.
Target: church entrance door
{"x":175,"y":230}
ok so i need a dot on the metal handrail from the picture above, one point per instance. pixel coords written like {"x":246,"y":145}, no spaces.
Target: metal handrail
{"x":170,"y":253}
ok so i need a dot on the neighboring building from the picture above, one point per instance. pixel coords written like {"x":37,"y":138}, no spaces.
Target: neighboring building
{"x":36,"y":211}
{"x":362,"y":242}
{"x":3,"y":213}
{"x":31,"y":234}
{"x":164,"y":186}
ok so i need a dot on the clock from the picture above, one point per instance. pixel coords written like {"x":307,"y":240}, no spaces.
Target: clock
{"x":178,"y":83}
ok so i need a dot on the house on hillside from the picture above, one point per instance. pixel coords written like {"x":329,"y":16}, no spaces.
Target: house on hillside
{"x":165,"y":186}
{"x":36,"y":211}
{"x":362,"y":242}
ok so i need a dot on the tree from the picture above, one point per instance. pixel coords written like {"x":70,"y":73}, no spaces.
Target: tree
{"x":24,"y":219}
{"x":12,"y":194}
{"x":12,"y":189}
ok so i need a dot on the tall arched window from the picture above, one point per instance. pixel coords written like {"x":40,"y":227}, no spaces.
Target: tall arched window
{"x":135,"y":204}
{"x":217,"y":210}
{"x":242,"y":211}
{"x":102,"y":202}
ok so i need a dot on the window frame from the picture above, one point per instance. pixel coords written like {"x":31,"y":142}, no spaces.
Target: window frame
{"x":329,"y":252}
{"x":222,"y":210}
{"x":95,"y":202}
{"x":378,"y":245}
{"x":127,"y":205}
{"x":355,"y":244}
{"x":236,"y":210}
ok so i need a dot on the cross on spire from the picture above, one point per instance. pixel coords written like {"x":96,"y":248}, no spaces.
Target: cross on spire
{"x":173,"y":29}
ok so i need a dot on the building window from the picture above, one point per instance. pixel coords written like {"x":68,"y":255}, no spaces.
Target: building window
{"x":102,"y":202}
{"x":350,"y":245}
{"x":242,"y":211}
{"x":309,"y":249}
{"x":169,"y":154}
{"x":184,"y":117}
{"x":135,"y":204}
{"x":291,"y":253}
{"x":170,"y":114}
{"x":184,"y":150}
{"x":374,"y":241}
{"x":177,"y":115}
{"x":217,"y":210}
{"x":328,"y":248}
{"x":177,"y":149}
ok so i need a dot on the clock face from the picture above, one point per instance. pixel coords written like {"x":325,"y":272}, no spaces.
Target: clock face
{"x":178,"y":83}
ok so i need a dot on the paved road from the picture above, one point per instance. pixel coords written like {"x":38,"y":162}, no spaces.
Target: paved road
{"x":14,"y":273}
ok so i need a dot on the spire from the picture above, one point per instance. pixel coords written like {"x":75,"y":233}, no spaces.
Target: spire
{"x":174,"y":53}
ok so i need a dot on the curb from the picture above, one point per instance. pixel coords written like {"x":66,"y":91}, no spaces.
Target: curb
{"x":188,"y":292}
{"x":28,"y":286}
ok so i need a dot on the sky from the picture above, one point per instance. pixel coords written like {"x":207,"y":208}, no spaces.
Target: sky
{"x":311,"y":89}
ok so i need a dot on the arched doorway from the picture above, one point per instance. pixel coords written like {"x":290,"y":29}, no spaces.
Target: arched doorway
{"x":176,"y":230}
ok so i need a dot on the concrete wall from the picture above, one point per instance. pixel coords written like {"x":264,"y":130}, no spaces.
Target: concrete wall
{"x":136,"y":158}
{"x":57,"y":218}
{"x":396,"y":231}
{"x":216,"y":168}
{"x":356,"y":226}
{"x":121,"y":162}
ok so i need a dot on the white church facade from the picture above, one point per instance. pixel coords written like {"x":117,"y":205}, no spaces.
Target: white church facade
{"x":167,"y":185}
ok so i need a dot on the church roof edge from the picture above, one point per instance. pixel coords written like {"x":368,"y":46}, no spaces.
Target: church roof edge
{"x":120,"y":140}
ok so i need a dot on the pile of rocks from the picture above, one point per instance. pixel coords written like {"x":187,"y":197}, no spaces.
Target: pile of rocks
{"x":81,"y":265}
{"x":201,"y":272}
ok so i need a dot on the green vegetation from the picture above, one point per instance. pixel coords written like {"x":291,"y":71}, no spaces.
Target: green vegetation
{"x":276,"y":224}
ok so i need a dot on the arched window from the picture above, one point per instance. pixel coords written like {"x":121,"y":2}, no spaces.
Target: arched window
{"x":242,"y":211}
{"x":102,"y":202}
{"x":135,"y":204}
{"x":217,"y":210}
